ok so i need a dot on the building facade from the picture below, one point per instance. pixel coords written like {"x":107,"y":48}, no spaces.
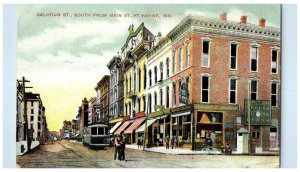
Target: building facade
{"x":104,"y":84}
{"x":116,"y":91}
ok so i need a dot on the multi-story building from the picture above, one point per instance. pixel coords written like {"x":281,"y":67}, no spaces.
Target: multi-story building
{"x":84,"y":115}
{"x":20,"y":120}
{"x":103,"y":85}
{"x":134,"y":61}
{"x":35,"y":114}
{"x":223,"y":71}
{"x":91,"y":112}
{"x":116,"y":92}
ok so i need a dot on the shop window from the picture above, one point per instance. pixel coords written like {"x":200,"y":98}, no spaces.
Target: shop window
{"x":180,"y":59}
{"x":232,"y":91}
{"x":253,"y":90}
{"x":187,"y":53}
{"x":274,"y":61}
{"x":233,"y":56}
{"x":205,"y":53}
{"x":254,"y":58}
{"x":205,"y":89}
{"x":274,"y":94}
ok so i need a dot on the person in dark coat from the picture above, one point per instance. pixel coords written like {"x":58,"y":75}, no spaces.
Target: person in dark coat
{"x":122,"y":142}
{"x":117,"y":147}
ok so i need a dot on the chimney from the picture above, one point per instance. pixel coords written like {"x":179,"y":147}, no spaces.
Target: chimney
{"x":243,"y":20}
{"x":223,"y":16}
{"x":262,"y":22}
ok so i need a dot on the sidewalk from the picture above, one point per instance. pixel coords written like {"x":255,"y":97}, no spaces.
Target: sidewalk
{"x":180,"y":151}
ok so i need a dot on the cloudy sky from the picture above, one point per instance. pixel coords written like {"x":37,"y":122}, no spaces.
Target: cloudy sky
{"x":64,"y":57}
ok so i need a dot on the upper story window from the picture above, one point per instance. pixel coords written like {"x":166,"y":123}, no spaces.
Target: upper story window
{"x":161,"y":66}
{"x":233,"y":55}
{"x":150,"y":103}
{"x":174,"y":61}
{"x":187,"y":53}
{"x":145,"y":76}
{"x":180,"y":59}
{"x":274,"y":90}
{"x":168,"y":67}
{"x":232,"y":90}
{"x":155,"y":98}
{"x":274,"y":61}
{"x":144,"y":101}
{"x":150,"y":78}
{"x":253,"y":89}
{"x":161,"y":96}
{"x":254,"y":58}
{"x":205,"y":88}
{"x":167,"y":96}
{"x":155,"y":74}
{"x":205,"y":52}
{"x":140,"y":75}
{"x":174,"y":93}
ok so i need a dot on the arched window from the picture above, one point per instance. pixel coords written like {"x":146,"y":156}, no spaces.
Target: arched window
{"x":168,"y":67}
{"x":161,"y":66}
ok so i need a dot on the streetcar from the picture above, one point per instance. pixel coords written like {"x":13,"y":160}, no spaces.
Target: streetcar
{"x":96,"y":136}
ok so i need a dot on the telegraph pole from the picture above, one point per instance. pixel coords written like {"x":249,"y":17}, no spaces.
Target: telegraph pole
{"x":25,"y":110}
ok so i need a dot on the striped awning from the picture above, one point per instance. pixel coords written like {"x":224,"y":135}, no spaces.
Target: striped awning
{"x":123,"y":127}
{"x":134,"y":125}
{"x":113,"y":129}
{"x":142,"y":128}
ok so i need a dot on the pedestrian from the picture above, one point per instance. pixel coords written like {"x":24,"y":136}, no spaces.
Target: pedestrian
{"x":167,"y":142}
{"x":141,"y":141}
{"x":122,"y":142}
{"x":175,"y":142}
{"x":117,"y":147}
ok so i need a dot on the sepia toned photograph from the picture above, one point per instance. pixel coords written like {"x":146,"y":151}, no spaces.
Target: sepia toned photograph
{"x":148,"y":86}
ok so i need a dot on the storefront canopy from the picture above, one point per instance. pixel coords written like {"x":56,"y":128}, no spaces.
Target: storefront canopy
{"x":134,"y":125}
{"x":122,"y":127}
{"x":142,"y":128}
{"x":113,"y":129}
{"x":181,"y":114}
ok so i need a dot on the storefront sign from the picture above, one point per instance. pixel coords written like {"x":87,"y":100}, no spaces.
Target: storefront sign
{"x":184,"y":94}
{"x":209,"y":107}
{"x":260,"y":112}
{"x":180,"y":109}
{"x":159,"y":113}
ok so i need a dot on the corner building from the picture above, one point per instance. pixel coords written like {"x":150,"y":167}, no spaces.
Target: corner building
{"x":224,"y":64}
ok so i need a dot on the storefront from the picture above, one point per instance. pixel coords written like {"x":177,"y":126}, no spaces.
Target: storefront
{"x":130,"y":131}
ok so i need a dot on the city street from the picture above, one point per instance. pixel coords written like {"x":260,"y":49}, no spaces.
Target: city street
{"x":64,"y":154}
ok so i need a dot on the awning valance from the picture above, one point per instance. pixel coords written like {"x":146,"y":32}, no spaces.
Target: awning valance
{"x":182,"y":114}
{"x":134,"y":125}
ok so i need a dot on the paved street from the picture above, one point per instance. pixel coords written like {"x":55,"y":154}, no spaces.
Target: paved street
{"x":66,"y":154}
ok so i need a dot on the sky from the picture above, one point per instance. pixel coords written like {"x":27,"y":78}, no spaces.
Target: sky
{"x":65,"y":57}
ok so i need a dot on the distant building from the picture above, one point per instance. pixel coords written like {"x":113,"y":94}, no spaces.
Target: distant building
{"x":103,"y":86}
{"x":84,"y":115}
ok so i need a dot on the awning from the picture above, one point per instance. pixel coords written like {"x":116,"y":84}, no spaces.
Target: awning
{"x":122,"y":127}
{"x":116,"y":120}
{"x":134,"y":125}
{"x":162,"y":117}
{"x":142,"y":128}
{"x":181,"y":114}
{"x":113,"y":129}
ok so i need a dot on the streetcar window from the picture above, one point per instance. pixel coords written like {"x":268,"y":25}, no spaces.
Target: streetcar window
{"x":100,"y":131}
{"x":106,"y":131}
{"x":94,"y":131}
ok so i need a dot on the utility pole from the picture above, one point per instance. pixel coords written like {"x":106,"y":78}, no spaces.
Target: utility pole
{"x":145,"y":129}
{"x":25,"y":110}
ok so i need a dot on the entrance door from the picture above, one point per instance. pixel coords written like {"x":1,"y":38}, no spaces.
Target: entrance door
{"x":273,"y":138}
{"x":239,"y":148}
{"x":255,"y":138}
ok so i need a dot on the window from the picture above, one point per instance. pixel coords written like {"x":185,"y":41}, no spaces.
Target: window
{"x":140,"y":75}
{"x":161,"y":96}
{"x":31,"y":118}
{"x":161,"y":66}
{"x":126,"y":110}
{"x":32,"y":111}
{"x":232,"y":90}
{"x":150,"y":103}
{"x":129,"y":84}
{"x":100,"y":131}
{"x":254,"y":58}
{"x":155,"y":98}
{"x":179,"y":86}
{"x":167,"y":96}
{"x":187,"y":53}
{"x":129,"y":108}
{"x":233,"y":55}
{"x":144,"y":101}
{"x":155,"y":74}
{"x":253,"y":90}
{"x":274,"y":61}
{"x":174,"y":92}
{"x":205,"y":89}
{"x":205,"y":53}
{"x":150,"y":78}
{"x":126,"y":84}
{"x":174,"y":61}
{"x":187,"y":81}
{"x":139,"y":105}
{"x":31,"y":103}
{"x":180,"y":59}
{"x":274,"y":94}
{"x":145,"y":76}
{"x":168,"y":67}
